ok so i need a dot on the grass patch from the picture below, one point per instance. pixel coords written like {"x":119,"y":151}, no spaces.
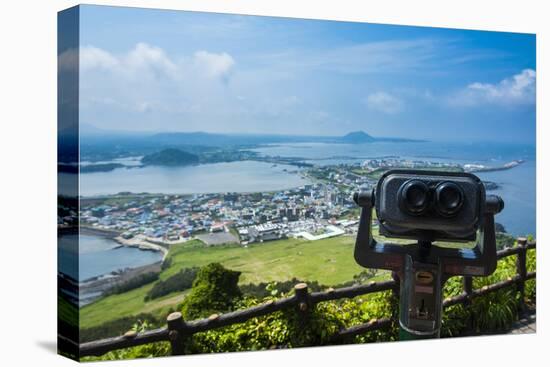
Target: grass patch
{"x":329,"y":261}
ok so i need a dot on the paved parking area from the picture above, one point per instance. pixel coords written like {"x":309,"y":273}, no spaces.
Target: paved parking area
{"x":218,"y":238}
{"x":526,"y":325}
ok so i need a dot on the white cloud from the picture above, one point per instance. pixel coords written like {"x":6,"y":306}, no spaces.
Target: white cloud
{"x":147,"y":81}
{"x":147,"y":57}
{"x":145,"y":60}
{"x":215,"y":65}
{"x":95,"y":58}
{"x":519,"y":89}
{"x":384,"y":102}
{"x":68,"y":60}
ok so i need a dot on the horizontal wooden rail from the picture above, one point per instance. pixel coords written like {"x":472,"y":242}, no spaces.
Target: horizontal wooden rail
{"x":515,"y":250}
{"x":178,"y":329}
{"x":129,"y":339}
{"x":217,"y":321}
{"x":463,"y":297}
{"x":353,"y":291}
{"x":372,"y":325}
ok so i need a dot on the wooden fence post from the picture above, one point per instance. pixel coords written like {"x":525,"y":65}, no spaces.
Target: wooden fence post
{"x":396,"y":289}
{"x":302,"y":302}
{"x":521,"y":268}
{"x":467,"y":283}
{"x":302,"y":307}
{"x":176,"y":333}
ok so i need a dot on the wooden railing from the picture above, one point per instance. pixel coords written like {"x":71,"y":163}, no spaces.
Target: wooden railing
{"x":178,"y":329}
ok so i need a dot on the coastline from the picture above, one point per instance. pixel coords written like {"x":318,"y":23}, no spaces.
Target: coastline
{"x":94,"y":288}
{"x":89,"y":230}
{"x":504,"y":167}
{"x":140,"y":242}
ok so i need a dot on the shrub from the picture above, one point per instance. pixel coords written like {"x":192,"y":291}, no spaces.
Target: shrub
{"x":455,"y":319}
{"x":531,"y":285}
{"x":496,"y":311}
{"x":266,"y":289}
{"x":287,"y":329}
{"x":143,"y":351}
{"x":504,"y":240}
{"x":259,"y":333}
{"x":117,"y":327}
{"x":366,"y":308}
{"x":176,"y":283}
{"x":214,"y":290}
{"x":166,"y":263}
{"x":133,"y":283}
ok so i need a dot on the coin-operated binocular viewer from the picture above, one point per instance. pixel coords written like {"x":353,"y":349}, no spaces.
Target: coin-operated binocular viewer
{"x":427,"y":206}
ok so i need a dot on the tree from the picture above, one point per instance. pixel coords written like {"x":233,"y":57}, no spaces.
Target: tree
{"x":214,"y":290}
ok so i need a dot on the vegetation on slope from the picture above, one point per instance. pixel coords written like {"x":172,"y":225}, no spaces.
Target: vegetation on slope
{"x":329,"y":261}
{"x":283,"y":329}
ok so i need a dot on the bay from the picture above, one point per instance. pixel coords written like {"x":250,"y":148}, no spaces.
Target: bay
{"x":243,"y":176}
{"x":97,"y":255}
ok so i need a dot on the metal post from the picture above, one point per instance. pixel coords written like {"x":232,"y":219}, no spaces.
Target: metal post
{"x":420,"y":302}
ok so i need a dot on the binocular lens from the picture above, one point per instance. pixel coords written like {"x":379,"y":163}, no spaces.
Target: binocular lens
{"x":414,"y":197}
{"x":449,"y":198}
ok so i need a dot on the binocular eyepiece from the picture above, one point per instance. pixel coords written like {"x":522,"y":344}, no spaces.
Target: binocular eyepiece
{"x":415,"y":197}
{"x":430,"y":205}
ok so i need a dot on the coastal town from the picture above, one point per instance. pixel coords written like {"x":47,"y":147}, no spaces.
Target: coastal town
{"x":321,"y":209}
{"x":307,"y":211}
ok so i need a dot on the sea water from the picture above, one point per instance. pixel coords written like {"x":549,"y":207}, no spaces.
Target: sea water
{"x":97,"y":255}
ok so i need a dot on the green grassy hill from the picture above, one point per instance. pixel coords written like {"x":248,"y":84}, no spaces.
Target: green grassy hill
{"x":328,"y":261}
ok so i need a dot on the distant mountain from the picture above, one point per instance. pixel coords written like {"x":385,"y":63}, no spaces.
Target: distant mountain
{"x":357,"y":137}
{"x":170,"y":157}
{"x":105,"y":145}
{"x":216,"y":139}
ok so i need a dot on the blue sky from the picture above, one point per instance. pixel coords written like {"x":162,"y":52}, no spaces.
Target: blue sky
{"x":153,"y":70}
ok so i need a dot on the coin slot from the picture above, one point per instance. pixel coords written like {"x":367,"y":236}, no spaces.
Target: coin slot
{"x":424,"y":277}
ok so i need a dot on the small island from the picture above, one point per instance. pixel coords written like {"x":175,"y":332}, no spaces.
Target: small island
{"x":357,"y":137}
{"x":100,"y":167}
{"x":361,"y":137}
{"x":170,"y":157}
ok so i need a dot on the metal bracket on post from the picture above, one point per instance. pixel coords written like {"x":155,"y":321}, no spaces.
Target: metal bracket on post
{"x":368,"y":253}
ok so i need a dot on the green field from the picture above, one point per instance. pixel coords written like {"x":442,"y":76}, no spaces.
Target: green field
{"x":329,"y":261}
